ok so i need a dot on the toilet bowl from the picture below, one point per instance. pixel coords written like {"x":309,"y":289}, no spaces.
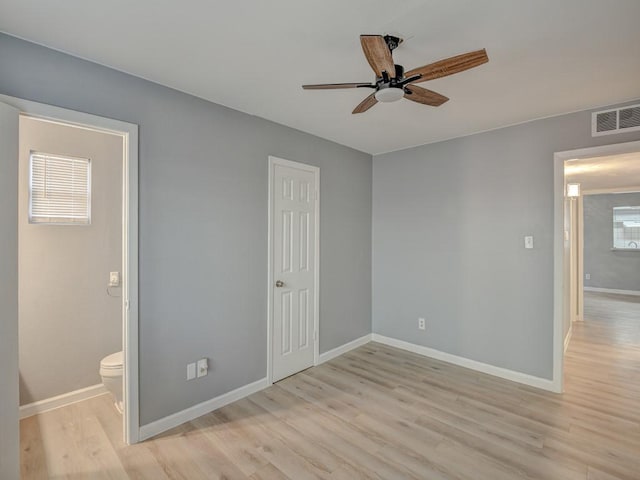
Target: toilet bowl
{"x":111,"y":369}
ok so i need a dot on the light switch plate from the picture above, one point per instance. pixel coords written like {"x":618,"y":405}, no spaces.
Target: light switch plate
{"x":114,"y":279}
{"x":528,"y":241}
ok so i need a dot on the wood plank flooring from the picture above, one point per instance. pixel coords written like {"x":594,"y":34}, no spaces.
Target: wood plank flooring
{"x":382,"y":413}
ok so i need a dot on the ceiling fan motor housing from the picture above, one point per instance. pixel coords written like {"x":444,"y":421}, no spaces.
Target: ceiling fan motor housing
{"x":391,"y":89}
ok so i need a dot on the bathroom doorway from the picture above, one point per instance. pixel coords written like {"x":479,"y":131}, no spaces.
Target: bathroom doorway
{"x":77,"y":261}
{"x":69,"y":247}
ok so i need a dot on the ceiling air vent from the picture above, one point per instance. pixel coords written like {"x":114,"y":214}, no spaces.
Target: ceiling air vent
{"x":625,"y":119}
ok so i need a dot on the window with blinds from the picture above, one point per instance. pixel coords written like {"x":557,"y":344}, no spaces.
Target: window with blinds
{"x":626,"y":227}
{"x":59,"y":189}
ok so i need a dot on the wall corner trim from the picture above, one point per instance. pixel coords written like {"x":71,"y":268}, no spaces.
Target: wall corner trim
{"x":524,"y":378}
{"x":63,"y":400}
{"x":167,"y":423}
{"x":336,"y":352}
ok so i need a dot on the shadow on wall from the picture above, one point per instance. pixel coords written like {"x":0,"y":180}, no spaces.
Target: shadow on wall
{"x":24,"y":390}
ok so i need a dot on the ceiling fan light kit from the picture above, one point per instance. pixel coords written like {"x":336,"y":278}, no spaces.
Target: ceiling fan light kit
{"x":389,"y":94}
{"x":392,"y":83}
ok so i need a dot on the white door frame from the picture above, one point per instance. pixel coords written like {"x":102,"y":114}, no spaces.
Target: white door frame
{"x":580,"y":258}
{"x":558,"y":244}
{"x":576,"y":244}
{"x":273,"y":161}
{"x":129,"y":133}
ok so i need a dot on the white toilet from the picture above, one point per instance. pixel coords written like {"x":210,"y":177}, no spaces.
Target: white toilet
{"x":111,"y":369}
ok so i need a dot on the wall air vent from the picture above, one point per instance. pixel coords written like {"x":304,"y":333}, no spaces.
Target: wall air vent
{"x":625,"y":119}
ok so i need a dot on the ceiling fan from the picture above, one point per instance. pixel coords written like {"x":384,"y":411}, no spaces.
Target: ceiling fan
{"x":393,"y":83}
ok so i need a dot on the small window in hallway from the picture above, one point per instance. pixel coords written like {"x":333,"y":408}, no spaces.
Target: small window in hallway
{"x":626,"y":227}
{"x":59,"y":189}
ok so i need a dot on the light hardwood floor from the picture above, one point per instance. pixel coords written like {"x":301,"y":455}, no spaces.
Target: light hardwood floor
{"x":378,"y":412}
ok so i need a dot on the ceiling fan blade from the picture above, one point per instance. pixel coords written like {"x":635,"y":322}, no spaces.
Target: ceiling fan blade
{"x":449,"y":66}
{"x":366,"y":104}
{"x":331,"y":86}
{"x":424,"y":96}
{"x":378,"y":54}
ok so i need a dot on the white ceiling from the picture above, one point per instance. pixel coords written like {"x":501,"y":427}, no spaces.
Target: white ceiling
{"x":613,"y":172}
{"x":547,"y":57}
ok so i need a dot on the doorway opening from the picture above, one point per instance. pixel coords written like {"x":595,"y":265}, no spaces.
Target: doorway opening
{"x":595,"y":252}
{"x":77,"y":297}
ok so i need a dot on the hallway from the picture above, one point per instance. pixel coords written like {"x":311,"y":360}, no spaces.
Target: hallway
{"x":610,"y":319}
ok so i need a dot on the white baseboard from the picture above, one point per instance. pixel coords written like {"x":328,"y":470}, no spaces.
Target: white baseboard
{"x":162,"y":425}
{"x":567,"y":338}
{"x":336,"y":352}
{"x":63,"y":400}
{"x":635,"y":293}
{"x":167,"y":423}
{"x":519,"y":377}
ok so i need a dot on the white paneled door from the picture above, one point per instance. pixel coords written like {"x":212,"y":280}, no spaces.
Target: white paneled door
{"x":293,"y":270}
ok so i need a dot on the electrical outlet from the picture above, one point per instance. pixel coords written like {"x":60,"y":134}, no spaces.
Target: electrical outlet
{"x":422,"y":324}
{"x":191,"y":371}
{"x":203,"y":367}
{"x":587,"y":276}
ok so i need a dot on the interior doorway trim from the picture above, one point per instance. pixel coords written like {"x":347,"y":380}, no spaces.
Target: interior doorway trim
{"x":129,"y":133}
{"x":598,"y":191}
{"x":558,"y":244}
{"x":273,"y":161}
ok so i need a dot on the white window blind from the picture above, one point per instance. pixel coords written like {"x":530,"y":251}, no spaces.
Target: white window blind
{"x":59,"y":189}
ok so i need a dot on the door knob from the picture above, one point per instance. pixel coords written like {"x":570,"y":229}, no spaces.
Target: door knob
{"x":279,"y":283}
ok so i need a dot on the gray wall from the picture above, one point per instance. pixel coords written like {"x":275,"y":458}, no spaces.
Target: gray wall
{"x":609,"y":269}
{"x":9,"y":432}
{"x":64,"y":269}
{"x":203,"y":223}
{"x":448,"y":225}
